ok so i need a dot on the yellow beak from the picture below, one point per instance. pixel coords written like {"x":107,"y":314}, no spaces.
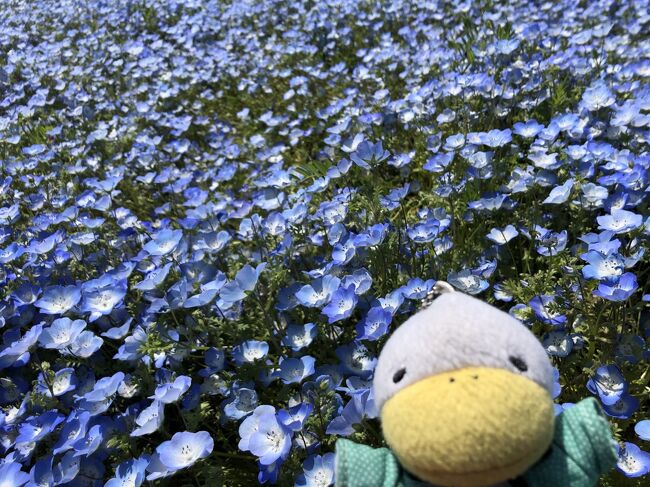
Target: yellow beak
{"x":469,"y":427}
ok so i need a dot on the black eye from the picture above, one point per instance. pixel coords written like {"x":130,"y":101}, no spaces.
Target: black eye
{"x":519,"y":363}
{"x":399,"y":375}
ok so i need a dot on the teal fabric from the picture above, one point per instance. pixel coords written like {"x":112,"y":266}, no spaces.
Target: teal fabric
{"x":582,"y":450}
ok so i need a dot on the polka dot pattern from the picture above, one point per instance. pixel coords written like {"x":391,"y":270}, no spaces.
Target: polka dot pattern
{"x":582,"y":450}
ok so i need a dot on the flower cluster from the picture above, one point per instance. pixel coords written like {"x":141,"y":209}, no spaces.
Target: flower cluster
{"x":212,"y":215}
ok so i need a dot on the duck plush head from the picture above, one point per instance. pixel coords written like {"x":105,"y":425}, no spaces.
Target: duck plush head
{"x":464,"y":392}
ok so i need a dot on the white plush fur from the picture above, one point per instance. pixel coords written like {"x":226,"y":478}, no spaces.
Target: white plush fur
{"x":457,"y":331}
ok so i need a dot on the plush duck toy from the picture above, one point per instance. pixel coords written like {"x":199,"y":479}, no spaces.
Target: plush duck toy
{"x":464,"y":395}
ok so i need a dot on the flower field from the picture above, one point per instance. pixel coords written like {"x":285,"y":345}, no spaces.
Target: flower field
{"x":214,"y":213}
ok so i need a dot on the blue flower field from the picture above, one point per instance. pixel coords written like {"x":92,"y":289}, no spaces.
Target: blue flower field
{"x":214,"y":213}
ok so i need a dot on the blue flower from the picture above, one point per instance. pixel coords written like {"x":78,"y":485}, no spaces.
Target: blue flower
{"x":61,"y":333}
{"x":557,"y":343}
{"x":294,"y":370}
{"x":375,"y":324}
{"x":620,"y":221}
{"x":550,"y":243}
{"x":164,"y":242}
{"x":368,"y":154}
{"x":624,"y":408}
{"x":172,"y":391}
{"x":319,"y":292}
{"x":100,"y":301}
{"x":271,"y":441}
{"x":249,"y":351}
{"x":502,"y":236}
{"x":19,"y":346}
{"x":496,"y":138}
{"x":130,"y":473}
{"x":632,"y":461}
{"x":12,"y":475}
{"x":58,"y":299}
{"x":64,"y":381}
{"x":417,"y":289}
{"x":618,"y":291}
{"x":642,"y":429}
{"x":342,"y":304}
{"x":294,"y":418}
{"x":528,"y":129}
{"x":318,"y":471}
{"x":356,"y":359}
{"x":560,"y":194}
{"x":36,"y":428}
{"x":597,"y":96}
{"x":182,"y":451}
{"x":608,"y":383}
{"x":299,"y":336}
{"x":467,"y":282}
{"x":608,"y":266}
{"x":546,"y":310}
{"x":149,"y":419}
{"x":241,"y":402}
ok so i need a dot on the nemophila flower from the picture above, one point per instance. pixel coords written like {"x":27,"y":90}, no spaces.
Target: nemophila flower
{"x":642,"y":429}
{"x":74,"y":427}
{"x":496,"y":138}
{"x":341,"y":305}
{"x":598,"y":96}
{"x":603,"y":266}
{"x":344,"y":251}
{"x":454,"y":142}
{"x":41,"y":473}
{"x":360,"y":280}
{"x":172,"y":391}
{"x":86,"y":344}
{"x":130,"y":473}
{"x":557,"y":343}
{"x":356,"y":359}
{"x":19,"y":346}
{"x":58,"y":299}
{"x":249,"y":351}
{"x":560,"y":194}
{"x":294,"y":370}
{"x":608,"y":383}
{"x":502,"y":236}
{"x":632,"y":461}
{"x":149,"y":419}
{"x":547,"y":311}
{"x":417,"y":288}
{"x":618,"y":291}
{"x":182,"y":451}
{"x":549,"y":243}
{"x":375,"y":324}
{"x":11,"y":475}
{"x":299,"y":336}
{"x":318,"y":471}
{"x":241,"y":403}
{"x":467,"y":282}
{"x":620,"y":221}
{"x":215,"y":360}
{"x":270,"y":441}
{"x":528,"y":129}
{"x":164,"y":242}
{"x":319,"y":292}
{"x":90,"y":443}
{"x":368,"y":155}
{"x":35,"y":428}
{"x":64,"y":381}
{"x":294,"y":418}
{"x":424,"y":232}
{"x":154,"y":278}
{"x":61,"y":333}
{"x":624,"y":408}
